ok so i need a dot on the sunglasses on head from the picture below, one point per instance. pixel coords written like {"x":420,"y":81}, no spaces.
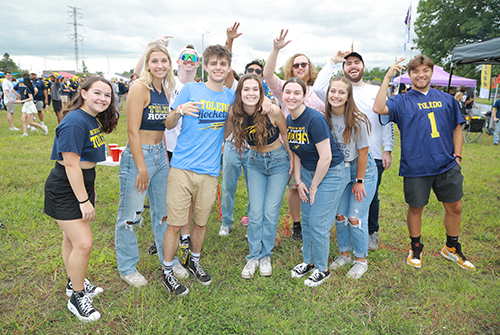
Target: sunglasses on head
{"x":252,"y":70}
{"x":187,"y":57}
{"x":297,"y":65}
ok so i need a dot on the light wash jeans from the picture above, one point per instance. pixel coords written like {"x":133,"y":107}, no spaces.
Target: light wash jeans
{"x":232,"y":162}
{"x":132,"y":204}
{"x":496,"y":133}
{"x":318,"y":218}
{"x":268,"y":175}
{"x":347,"y":234}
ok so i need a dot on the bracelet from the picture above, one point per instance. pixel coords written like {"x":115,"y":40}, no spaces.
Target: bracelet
{"x":458,"y":156}
{"x":182,"y":113}
{"x":297,"y":185}
{"x":82,"y":202}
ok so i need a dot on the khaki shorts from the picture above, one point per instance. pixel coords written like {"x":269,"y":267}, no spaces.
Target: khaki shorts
{"x":11,"y":107}
{"x":64,"y":98}
{"x":186,"y":187}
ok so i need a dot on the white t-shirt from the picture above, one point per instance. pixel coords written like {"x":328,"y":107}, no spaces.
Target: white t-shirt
{"x":350,"y":150}
{"x":172,"y":134}
{"x":364,"y":97}
{"x":9,"y":88}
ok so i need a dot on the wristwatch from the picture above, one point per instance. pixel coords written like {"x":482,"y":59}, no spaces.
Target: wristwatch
{"x":360,"y":181}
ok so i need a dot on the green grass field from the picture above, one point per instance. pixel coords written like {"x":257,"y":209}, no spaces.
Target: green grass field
{"x":391,"y":298}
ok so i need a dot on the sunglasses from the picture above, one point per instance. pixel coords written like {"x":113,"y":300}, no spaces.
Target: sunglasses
{"x":189,"y":57}
{"x":297,"y":65}
{"x":252,"y":70}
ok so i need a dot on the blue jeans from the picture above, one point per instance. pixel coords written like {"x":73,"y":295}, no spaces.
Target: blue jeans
{"x":375,"y":205}
{"x":317,"y":219}
{"x":132,"y":204}
{"x":496,"y":133}
{"x":268,"y":172}
{"x":232,"y":162}
{"x":357,"y":235}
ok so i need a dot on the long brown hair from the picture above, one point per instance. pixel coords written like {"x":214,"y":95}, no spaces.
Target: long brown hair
{"x":287,"y":69}
{"x":352,"y":115}
{"x":240,"y":118}
{"x":108,"y":120}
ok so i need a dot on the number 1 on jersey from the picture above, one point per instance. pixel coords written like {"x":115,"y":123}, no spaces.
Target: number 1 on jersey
{"x":432,"y":118}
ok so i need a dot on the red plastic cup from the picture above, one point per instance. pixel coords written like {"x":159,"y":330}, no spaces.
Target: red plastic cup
{"x":115,"y":154}
{"x":112,"y":145}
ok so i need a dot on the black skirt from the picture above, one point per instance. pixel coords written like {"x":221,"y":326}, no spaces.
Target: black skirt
{"x":60,"y":200}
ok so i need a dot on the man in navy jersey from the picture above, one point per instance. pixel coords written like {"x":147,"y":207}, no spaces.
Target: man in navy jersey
{"x":430,"y":124}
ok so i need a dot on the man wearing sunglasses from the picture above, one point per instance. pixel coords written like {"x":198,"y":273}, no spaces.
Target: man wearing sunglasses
{"x":382,"y":136}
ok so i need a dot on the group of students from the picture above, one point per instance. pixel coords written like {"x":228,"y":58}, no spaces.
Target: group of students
{"x":326,"y":151}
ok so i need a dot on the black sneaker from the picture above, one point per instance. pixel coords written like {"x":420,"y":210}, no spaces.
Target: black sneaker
{"x":301,"y":270}
{"x":81,"y":305}
{"x":414,"y":255}
{"x":297,"y":232}
{"x":199,"y":274}
{"x":317,"y":278}
{"x":89,"y":289}
{"x":152,"y":249}
{"x":184,"y":251}
{"x":171,"y":284}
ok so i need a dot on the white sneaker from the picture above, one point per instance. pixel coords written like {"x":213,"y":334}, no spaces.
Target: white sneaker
{"x":265,"y":267}
{"x":15,"y":129}
{"x":373,"y":241}
{"x":357,"y":270}
{"x":249,"y":269}
{"x":179,"y":272}
{"x":24,"y":135}
{"x":45,"y":130}
{"x":135,"y":279}
{"x":33,"y":128}
{"x":339,"y":262}
{"x":224,"y":230}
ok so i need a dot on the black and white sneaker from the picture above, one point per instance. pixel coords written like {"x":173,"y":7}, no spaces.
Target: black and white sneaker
{"x":301,"y":270}
{"x":89,"y":289}
{"x":171,"y":284}
{"x":199,"y":274}
{"x":317,"y":278}
{"x":81,"y":305}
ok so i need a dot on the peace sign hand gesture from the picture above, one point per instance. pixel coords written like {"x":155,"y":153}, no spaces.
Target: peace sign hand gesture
{"x":279,"y":42}
{"x":395,"y":68}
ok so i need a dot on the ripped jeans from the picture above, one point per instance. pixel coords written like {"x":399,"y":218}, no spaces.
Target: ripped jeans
{"x":356,"y":235}
{"x":132,"y":205}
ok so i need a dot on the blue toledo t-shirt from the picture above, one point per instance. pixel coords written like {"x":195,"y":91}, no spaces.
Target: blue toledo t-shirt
{"x":79,"y":132}
{"x":305,"y":132}
{"x":40,"y":85}
{"x":497,"y":107}
{"x":426,"y":124}
{"x":199,"y":144}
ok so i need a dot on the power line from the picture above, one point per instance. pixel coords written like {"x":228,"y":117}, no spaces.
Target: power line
{"x":75,"y":14}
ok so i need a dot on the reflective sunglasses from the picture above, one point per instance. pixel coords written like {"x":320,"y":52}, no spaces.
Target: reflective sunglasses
{"x":252,"y":70}
{"x":187,"y":57}
{"x":297,"y":65}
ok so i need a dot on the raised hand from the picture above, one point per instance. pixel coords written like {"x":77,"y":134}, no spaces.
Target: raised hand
{"x":280,"y":42}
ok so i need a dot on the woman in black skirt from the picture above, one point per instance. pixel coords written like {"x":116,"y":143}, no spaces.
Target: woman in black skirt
{"x":69,"y":189}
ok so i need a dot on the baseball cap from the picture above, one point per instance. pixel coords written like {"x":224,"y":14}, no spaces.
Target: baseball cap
{"x":354,"y":54}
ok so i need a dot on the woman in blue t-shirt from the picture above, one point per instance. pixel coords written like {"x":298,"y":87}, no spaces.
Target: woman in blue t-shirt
{"x":144,"y":164}
{"x":321,"y":179}
{"x":69,"y":189}
{"x":351,"y":130}
{"x":268,"y":168}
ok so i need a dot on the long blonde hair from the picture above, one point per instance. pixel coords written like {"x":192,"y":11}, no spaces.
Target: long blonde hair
{"x":287,"y":69}
{"x":146,"y":77}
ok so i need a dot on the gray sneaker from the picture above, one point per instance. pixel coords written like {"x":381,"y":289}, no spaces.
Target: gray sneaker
{"x":357,"y":270}
{"x":373,"y":241}
{"x":339,"y":262}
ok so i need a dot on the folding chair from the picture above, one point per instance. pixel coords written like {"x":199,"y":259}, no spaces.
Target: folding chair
{"x":473,"y":131}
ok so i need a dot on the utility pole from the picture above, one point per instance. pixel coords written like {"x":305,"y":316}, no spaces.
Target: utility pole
{"x":75,"y":14}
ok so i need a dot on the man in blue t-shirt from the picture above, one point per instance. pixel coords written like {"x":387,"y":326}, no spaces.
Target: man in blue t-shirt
{"x":41,"y":98}
{"x":496,"y":117}
{"x":195,"y":164}
{"x":430,"y":125}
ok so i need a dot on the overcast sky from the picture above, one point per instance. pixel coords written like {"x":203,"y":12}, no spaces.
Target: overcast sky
{"x":115,"y":33}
